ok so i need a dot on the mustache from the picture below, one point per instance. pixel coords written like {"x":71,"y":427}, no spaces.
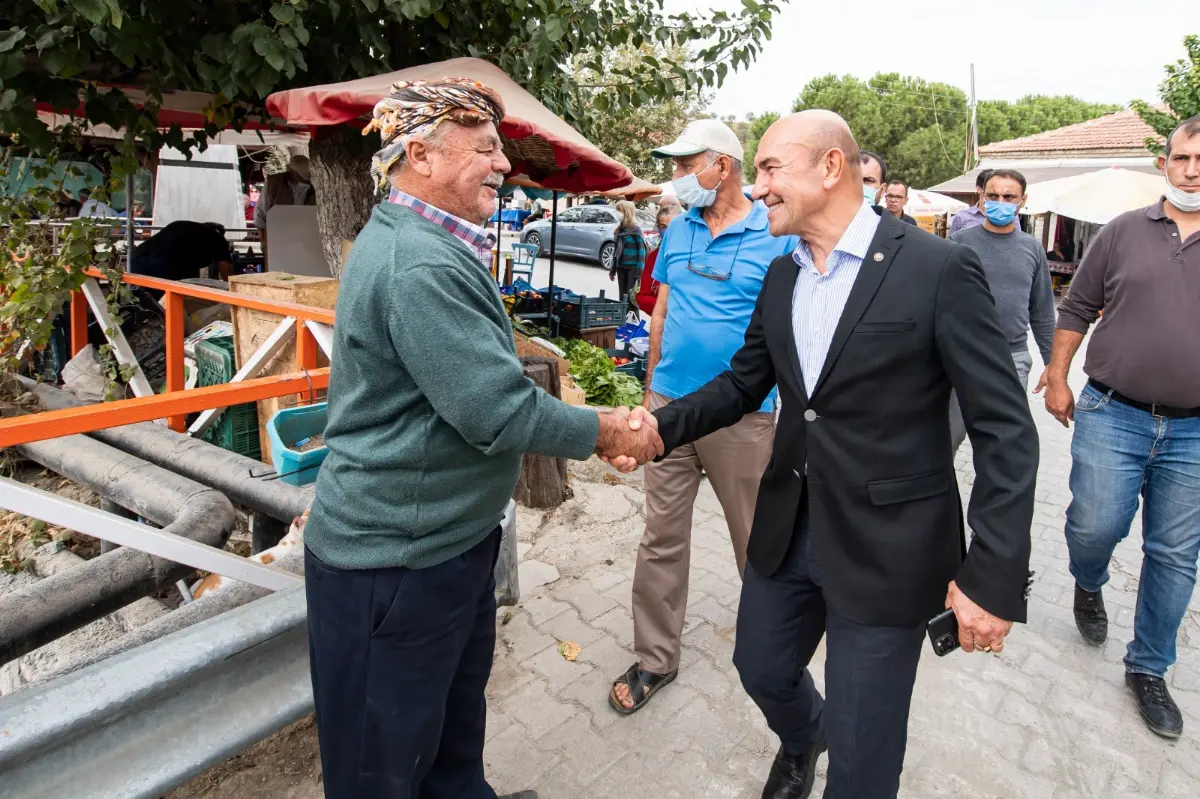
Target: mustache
{"x":495,"y":181}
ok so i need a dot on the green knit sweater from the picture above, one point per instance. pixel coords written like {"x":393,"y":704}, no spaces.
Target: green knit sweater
{"x":429,"y":410}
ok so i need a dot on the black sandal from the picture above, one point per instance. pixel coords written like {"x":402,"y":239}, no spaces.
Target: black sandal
{"x":642,"y":685}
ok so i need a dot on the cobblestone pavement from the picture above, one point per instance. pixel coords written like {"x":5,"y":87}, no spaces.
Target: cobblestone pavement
{"x":1050,"y":717}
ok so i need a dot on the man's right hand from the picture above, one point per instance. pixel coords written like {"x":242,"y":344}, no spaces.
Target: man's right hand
{"x":1060,"y":401}
{"x":627,"y":439}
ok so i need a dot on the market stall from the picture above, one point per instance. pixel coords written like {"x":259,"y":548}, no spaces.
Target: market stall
{"x":545,"y":152}
{"x":1066,"y":213}
{"x":932,"y":210}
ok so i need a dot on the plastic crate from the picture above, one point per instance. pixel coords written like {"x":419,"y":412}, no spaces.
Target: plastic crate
{"x":286,"y":428}
{"x":583,"y":313}
{"x":236,"y":429}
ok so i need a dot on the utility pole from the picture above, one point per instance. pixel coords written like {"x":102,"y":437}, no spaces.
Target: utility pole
{"x":973,"y":128}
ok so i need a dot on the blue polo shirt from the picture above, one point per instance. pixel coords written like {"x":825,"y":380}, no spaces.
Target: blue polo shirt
{"x":707,"y":317}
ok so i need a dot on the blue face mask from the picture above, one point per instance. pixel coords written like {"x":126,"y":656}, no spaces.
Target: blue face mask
{"x":869,"y":193}
{"x":999,"y":213}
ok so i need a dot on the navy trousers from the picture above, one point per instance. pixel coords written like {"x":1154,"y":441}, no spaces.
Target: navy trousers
{"x":400,"y":659}
{"x":869,"y":674}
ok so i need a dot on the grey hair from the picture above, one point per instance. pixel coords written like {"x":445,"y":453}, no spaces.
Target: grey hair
{"x":735,"y":169}
{"x":395,"y":155}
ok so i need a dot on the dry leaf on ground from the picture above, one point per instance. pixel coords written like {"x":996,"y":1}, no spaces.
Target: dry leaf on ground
{"x":569,"y":650}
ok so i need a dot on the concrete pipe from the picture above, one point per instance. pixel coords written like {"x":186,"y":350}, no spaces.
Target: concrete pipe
{"x":232,"y":474}
{"x":57,"y":605}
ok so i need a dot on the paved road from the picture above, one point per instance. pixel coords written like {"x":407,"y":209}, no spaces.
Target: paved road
{"x":578,"y":275}
{"x":1049,"y":717}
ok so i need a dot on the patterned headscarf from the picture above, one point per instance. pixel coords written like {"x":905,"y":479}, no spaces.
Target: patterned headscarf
{"x":418,"y":107}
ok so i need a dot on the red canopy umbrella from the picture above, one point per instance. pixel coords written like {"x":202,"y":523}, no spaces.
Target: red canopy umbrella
{"x":542,"y":148}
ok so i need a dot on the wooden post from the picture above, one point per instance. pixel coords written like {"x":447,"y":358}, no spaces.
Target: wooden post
{"x":543,"y":482}
{"x":175,"y":378}
{"x":79,"y":322}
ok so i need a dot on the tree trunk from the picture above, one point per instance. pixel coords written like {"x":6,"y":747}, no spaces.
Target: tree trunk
{"x":340,"y":159}
{"x":543,"y":482}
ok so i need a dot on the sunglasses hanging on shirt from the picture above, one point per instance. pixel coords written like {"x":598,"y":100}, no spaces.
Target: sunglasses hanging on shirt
{"x":708,"y":271}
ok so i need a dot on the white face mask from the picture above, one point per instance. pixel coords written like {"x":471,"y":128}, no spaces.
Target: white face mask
{"x":1186,"y":201}
{"x":691,"y":193}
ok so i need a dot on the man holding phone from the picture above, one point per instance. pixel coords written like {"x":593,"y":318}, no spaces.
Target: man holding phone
{"x":858,"y":528}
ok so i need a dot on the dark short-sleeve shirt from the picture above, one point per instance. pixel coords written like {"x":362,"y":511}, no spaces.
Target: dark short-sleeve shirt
{"x":1147,"y":282}
{"x":180,"y":250}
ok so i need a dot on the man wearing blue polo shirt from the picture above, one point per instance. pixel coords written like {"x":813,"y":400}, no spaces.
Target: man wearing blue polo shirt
{"x":711,"y":264}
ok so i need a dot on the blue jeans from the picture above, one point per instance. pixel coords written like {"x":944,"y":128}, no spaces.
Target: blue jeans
{"x":1118,"y":454}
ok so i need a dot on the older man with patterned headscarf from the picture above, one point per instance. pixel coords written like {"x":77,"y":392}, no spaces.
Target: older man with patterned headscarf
{"x":429,"y":416}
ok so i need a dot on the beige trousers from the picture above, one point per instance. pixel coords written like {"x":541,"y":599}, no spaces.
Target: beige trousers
{"x":734,"y":460}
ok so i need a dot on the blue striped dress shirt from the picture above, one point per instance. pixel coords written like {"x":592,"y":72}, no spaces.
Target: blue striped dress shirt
{"x":819,"y":299}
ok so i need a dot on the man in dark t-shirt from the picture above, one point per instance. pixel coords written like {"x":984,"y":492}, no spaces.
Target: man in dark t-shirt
{"x":181,"y":250}
{"x":896,"y":197}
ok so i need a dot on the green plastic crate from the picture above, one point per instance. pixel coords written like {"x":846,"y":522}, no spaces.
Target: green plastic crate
{"x":236,"y":429}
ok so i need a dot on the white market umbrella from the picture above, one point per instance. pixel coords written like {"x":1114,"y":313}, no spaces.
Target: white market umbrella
{"x":930,"y":203}
{"x":1095,"y":197}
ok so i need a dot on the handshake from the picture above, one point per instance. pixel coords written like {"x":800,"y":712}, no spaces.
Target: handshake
{"x":628,"y":438}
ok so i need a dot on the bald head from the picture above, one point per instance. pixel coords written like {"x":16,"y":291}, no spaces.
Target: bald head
{"x":808,"y":162}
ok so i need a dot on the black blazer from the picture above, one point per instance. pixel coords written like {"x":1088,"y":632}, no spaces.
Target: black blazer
{"x":885,"y":514}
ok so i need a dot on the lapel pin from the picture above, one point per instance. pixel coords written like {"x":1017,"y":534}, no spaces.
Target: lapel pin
{"x":878,"y":256}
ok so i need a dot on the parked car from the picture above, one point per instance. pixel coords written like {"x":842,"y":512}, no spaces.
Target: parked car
{"x":586,"y":231}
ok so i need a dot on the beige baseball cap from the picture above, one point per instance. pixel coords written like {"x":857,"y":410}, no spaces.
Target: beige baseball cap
{"x":701,"y":136}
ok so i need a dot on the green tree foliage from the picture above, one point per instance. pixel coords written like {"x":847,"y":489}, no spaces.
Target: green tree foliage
{"x":1180,"y":91}
{"x":758,"y":126}
{"x":920,"y":128}
{"x":629,"y":133}
{"x":58,"y":52}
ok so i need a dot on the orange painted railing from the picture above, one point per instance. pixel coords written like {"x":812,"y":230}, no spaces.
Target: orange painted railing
{"x":176,"y":402}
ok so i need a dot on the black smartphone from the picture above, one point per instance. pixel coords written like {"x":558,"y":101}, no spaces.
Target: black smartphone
{"x":943,"y":632}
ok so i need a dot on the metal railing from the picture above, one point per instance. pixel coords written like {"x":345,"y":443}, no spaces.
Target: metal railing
{"x":311,"y":327}
{"x":146,"y":720}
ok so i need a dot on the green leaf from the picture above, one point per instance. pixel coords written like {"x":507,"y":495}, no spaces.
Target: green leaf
{"x":288,"y":38}
{"x":284,"y":13}
{"x":442,"y":18}
{"x":300,"y":31}
{"x":265,"y":80}
{"x":114,"y":10}
{"x":274,"y":55}
{"x":722,"y":70}
{"x":10,"y":39}
{"x":94,"y":11}
{"x":50,"y":38}
{"x":7,"y":98}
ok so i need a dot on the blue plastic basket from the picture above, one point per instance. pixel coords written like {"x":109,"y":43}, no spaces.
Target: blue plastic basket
{"x":289,"y":426}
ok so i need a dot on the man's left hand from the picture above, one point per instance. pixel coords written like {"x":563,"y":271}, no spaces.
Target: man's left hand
{"x":977,"y":629}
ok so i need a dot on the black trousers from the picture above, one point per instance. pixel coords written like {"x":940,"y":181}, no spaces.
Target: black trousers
{"x":624,"y":281}
{"x":869,"y":674}
{"x":400,"y":659}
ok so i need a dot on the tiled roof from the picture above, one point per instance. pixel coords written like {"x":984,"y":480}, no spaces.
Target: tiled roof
{"x":1121,"y":130}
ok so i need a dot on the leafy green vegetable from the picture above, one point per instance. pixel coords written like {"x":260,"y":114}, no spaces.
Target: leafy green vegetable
{"x":596,"y":375}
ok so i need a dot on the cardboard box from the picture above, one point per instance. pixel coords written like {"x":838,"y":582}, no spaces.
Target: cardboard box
{"x":571,"y":394}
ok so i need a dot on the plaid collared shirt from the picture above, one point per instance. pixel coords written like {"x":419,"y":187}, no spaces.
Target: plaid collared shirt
{"x":478,"y":240}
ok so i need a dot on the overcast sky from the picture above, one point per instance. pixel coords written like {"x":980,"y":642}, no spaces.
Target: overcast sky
{"x":1110,"y":51}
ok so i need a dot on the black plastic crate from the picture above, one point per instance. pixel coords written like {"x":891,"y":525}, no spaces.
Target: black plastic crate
{"x":588,"y":312}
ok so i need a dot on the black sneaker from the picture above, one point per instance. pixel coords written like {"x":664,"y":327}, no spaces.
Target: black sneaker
{"x":1090,"y":616}
{"x":1158,"y":709}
